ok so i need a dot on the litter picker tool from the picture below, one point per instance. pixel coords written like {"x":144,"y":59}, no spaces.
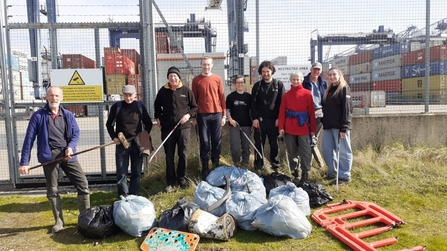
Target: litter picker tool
{"x":248,"y":138}
{"x":338,"y":161}
{"x":164,"y":141}
{"x":121,"y":137}
{"x":280,"y":138}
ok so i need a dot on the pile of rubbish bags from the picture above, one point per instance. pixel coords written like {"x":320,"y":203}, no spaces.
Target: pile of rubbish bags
{"x":229,"y":197}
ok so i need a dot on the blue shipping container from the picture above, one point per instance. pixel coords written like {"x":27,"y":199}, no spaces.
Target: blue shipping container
{"x":418,"y":70}
{"x":14,"y":62}
{"x":387,"y":51}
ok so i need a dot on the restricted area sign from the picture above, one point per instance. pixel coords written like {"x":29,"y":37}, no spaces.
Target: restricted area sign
{"x":79,"y":85}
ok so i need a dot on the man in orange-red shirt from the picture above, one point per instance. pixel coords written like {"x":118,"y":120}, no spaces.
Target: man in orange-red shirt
{"x":211,"y":116}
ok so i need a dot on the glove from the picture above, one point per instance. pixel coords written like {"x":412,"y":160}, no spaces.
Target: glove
{"x":314,"y":141}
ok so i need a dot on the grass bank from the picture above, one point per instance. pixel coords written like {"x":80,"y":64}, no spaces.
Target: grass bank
{"x":409,"y":182}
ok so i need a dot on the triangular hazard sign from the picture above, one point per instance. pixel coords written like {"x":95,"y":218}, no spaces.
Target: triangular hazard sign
{"x":76,"y":79}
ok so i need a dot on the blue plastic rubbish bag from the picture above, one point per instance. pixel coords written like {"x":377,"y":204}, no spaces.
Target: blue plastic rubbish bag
{"x":242,"y":206}
{"x":280,"y":216}
{"x":297,"y":194}
{"x":135,"y":215}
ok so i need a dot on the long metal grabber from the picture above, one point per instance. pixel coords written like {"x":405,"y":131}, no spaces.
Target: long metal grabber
{"x":120,"y":137}
{"x":164,"y":141}
{"x":287,"y":154}
{"x":251,"y":143}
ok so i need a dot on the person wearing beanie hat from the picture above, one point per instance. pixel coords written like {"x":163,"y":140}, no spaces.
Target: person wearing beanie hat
{"x":175,"y":70}
{"x":175,"y":102}
{"x":130,"y":117}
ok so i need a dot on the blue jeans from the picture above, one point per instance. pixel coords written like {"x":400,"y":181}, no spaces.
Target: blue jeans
{"x":330,"y":148}
{"x":210,"y":124}
{"x":122,"y":166}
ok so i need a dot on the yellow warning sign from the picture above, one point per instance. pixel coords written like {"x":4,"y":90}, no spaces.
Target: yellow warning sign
{"x":76,"y":79}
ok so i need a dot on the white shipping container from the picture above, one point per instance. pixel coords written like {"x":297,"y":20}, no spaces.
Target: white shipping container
{"x":387,"y":62}
{"x":16,"y":78}
{"x":360,"y":78}
{"x":387,"y":74}
{"x":343,"y":61}
{"x":344,"y":69}
{"x":360,"y":68}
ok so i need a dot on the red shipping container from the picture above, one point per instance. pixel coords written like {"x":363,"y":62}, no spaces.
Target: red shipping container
{"x":77,"y":61}
{"x":132,"y":54}
{"x":134,"y":79}
{"x":111,"y":50}
{"x":77,"y":110}
{"x":437,"y":53}
{"x":119,"y":64}
{"x":388,"y":85}
{"x":360,"y":58}
{"x":161,"y":42}
{"x":361,"y":87}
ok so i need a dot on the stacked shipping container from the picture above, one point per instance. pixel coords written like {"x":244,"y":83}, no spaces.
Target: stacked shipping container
{"x":395,"y":70}
{"x":413,"y":73}
{"x":121,"y":69}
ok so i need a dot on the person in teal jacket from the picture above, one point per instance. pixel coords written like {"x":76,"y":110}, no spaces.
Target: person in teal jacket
{"x":57,"y":134}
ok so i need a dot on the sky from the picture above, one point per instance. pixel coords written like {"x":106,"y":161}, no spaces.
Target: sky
{"x":286,"y":26}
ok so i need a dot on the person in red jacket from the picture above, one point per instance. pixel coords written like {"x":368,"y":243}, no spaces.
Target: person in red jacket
{"x":296,"y":123}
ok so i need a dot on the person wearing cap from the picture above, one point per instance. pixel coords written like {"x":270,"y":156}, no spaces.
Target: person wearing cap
{"x":211,"y":114}
{"x":317,"y":86}
{"x":175,"y":102}
{"x":127,"y":119}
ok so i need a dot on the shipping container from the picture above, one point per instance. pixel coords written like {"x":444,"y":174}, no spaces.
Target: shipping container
{"x":387,"y":62}
{"x":360,"y":78}
{"x":161,"y":42}
{"x":342,"y":61}
{"x":324,"y":75}
{"x":360,"y":68}
{"x":415,"y":87}
{"x":14,"y":63}
{"x":388,"y":85}
{"x":418,"y":70}
{"x":118,"y":64}
{"x":134,"y":79}
{"x":132,"y":54}
{"x":363,"y":99}
{"x":111,"y":50}
{"x":437,"y":53}
{"x":115,"y":83}
{"x":344,"y":69}
{"x":360,"y":58}
{"x":92,"y":111}
{"x":77,"y":61}
{"x":387,"y":51}
{"x":361,"y":87}
{"x":77,"y":110}
{"x":387,"y":74}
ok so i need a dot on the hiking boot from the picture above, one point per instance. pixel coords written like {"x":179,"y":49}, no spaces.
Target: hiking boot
{"x":329,"y":178}
{"x":341,"y":181}
{"x":168,"y":189}
{"x":304,"y":177}
{"x":205,"y":169}
{"x":215,"y":162}
{"x":183,"y":183}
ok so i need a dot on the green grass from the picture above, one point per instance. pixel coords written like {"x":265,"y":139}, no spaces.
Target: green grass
{"x":409,"y":182}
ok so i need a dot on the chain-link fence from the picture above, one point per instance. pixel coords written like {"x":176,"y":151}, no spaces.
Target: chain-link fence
{"x":380,"y":47}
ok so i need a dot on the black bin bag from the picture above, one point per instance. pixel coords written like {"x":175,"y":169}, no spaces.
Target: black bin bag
{"x":177,"y":218}
{"x":97,"y":222}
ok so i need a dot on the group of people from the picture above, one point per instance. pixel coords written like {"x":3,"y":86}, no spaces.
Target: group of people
{"x":296,"y":117}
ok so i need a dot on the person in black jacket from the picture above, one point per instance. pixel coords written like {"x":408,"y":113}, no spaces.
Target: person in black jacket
{"x":266,"y":98}
{"x":337,"y":109}
{"x":128,"y":120}
{"x":175,"y":102}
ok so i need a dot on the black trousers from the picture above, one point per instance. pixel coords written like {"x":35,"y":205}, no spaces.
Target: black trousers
{"x":180,"y":139}
{"x":267,"y":129}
